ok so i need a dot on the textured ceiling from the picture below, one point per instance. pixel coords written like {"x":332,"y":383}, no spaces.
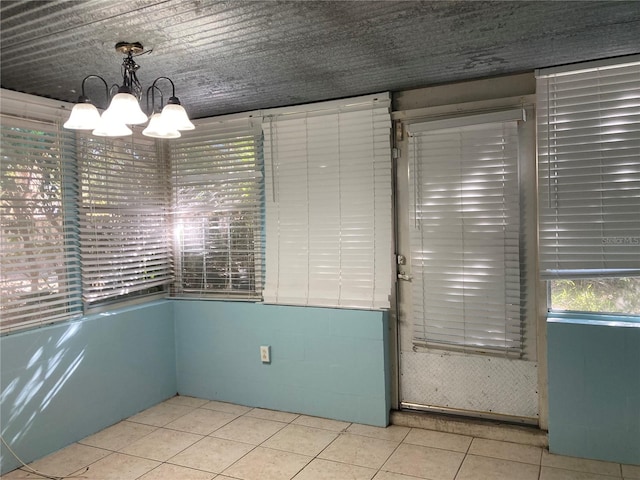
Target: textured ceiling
{"x":244,"y":55}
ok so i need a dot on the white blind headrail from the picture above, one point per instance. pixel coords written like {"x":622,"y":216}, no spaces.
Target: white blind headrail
{"x":589,"y":173}
{"x":329,"y":205}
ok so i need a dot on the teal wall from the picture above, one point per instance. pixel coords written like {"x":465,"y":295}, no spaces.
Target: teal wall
{"x":63,"y":382}
{"x":594,"y":389}
{"x":324,"y":362}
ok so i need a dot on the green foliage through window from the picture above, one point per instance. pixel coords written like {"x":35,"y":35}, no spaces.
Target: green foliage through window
{"x":603,"y":295}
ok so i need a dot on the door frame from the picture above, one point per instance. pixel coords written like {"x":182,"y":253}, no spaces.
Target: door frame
{"x":444,"y":101}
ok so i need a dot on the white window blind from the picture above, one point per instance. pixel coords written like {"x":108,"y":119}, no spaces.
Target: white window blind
{"x":218,"y":209}
{"x":39,"y":272}
{"x":329,"y":204}
{"x":124,"y":240}
{"x":465,"y":236}
{"x":589,"y":171}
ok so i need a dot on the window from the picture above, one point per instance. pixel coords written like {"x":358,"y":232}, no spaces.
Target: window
{"x":123,"y":214}
{"x":329,"y":204}
{"x":589,"y":182}
{"x":39,"y":277}
{"x":466,"y":250}
{"x":218,"y":194}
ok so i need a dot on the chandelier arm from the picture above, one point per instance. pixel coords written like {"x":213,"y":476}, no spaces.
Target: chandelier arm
{"x":153,"y":88}
{"x":83,"y":98}
{"x":173,"y":87}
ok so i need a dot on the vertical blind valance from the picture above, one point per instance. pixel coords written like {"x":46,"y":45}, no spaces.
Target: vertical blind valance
{"x":329,"y":205}
{"x":589,"y":171}
{"x":217,"y":196}
{"x":123,"y":212}
{"x":465,"y":236}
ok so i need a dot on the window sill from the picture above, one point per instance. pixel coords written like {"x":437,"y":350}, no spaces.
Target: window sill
{"x":580,"y":318}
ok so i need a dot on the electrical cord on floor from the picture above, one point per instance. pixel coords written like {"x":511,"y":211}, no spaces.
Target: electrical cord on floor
{"x":36,"y":472}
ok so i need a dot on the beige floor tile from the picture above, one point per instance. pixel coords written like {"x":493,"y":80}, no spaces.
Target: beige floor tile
{"x":274,"y":415}
{"x":358,"y":450}
{"x":266,"y":464}
{"x":382,"y":475}
{"x":166,"y":471}
{"x":320,"y":469}
{"x":22,"y":473}
{"x":160,"y":414}
{"x":431,"y":438}
{"x":395,"y":433}
{"x":300,"y":439}
{"x":580,"y":464}
{"x":68,"y":460}
{"x":118,"y":466}
{"x":486,"y":468}
{"x":227,"y":407}
{"x":631,"y":472}
{"x":118,"y":436}
{"x":506,"y":451}
{"x":211,"y":454}
{"x":187,"y":401}
{"x":249,"y":430}
{"x":161,"y":444}
{"x":324,"y":423}
{"x":551,"y":473}
{"x":201,"y":421}
{"x":424,"y":462}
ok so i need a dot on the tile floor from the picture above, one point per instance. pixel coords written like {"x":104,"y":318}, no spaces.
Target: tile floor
{"x":188,"y":438}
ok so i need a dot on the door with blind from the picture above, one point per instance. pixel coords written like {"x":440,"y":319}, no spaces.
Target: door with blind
{"x":467,"y":323}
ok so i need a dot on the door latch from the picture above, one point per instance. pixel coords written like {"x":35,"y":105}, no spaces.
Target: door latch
{"x":404,"y":276}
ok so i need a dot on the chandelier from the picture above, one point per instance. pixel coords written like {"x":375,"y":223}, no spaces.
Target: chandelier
{"x":124,"y":108}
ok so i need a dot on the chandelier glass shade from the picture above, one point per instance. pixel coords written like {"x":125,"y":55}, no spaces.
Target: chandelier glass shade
{"x":158,"y":128}
{"x":124,"y":107}
{"x":84,"y":116}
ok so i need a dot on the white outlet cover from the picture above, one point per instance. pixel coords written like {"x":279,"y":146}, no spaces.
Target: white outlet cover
{"x":265,"y":354}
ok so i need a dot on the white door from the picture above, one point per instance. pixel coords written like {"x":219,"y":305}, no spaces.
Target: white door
{"x":466,"y":298}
